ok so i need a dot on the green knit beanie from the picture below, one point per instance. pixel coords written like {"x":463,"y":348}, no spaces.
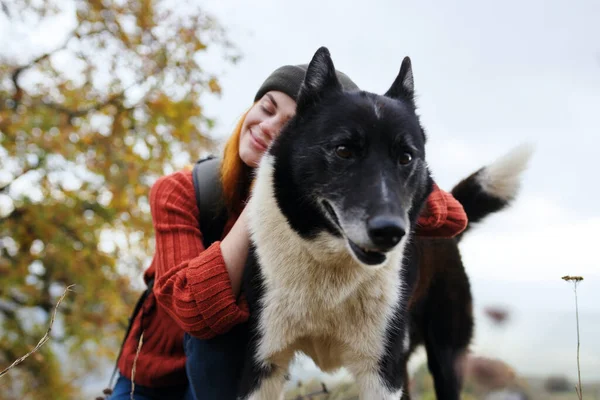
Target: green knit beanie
{"x":288,"y":78}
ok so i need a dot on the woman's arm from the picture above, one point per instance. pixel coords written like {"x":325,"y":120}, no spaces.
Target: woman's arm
{"x":193,"y":284}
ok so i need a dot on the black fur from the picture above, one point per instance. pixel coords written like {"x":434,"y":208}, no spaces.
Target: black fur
{"x":394,"y":367}
{"x":441,"y":306}
{"x":305,"y":159}
{"x":475,"y":200}
{"x":376,"y":134}
{"x":343,"y":146}
{"x":254,"y":291}
{"x":441,"y":315}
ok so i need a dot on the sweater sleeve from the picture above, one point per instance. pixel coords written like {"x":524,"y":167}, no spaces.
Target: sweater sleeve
{"x":442,"y":216}
{"x":191,"y":283}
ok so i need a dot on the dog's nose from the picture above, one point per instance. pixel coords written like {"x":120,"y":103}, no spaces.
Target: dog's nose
{"x":386,"y":231}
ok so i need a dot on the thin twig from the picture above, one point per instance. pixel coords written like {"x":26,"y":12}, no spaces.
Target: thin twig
{"x":137,"y":353}
{"x":44,"y":339}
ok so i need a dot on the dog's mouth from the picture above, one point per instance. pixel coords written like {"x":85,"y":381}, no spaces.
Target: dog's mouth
{"x":366,"y":256}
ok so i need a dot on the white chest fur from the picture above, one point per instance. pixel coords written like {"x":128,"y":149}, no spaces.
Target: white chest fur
{"x":318,"y":299}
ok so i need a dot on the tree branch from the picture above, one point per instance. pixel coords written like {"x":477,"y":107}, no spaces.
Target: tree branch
{"x":7,"y":309}
{"x":16,"y":213}
{"x":5,"y":9}
{"x":23,"y":173}
{"x":71,"y":114}
{"x":15,"y":300}
{"x":116,"y":100}
{"x":19,"y":70}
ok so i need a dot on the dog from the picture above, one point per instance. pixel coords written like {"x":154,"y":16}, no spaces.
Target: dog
{"x":335,"y":200}
{"x":440,"y":307}
{"x":333,"y":264}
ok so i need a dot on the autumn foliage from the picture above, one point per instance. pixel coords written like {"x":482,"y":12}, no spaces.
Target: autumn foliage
{"x":85,"y":129}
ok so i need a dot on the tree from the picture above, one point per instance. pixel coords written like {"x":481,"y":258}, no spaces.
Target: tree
{"x":80,"y":147}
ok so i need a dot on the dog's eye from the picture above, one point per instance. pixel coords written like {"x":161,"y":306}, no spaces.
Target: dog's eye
{"x":405,"y":158}
{"x":344,"y":152}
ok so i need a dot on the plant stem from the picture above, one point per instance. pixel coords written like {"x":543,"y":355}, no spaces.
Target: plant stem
{"x":579,"y":391}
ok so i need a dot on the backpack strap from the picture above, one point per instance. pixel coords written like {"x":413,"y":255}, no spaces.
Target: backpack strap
{"x":209,"y":198}
{"x":213,"y":217}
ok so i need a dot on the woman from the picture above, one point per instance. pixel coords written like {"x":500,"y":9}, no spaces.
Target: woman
{"x":196,"y":292}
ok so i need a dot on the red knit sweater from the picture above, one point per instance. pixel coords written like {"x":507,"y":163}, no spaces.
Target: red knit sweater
{"x":192,"y":292}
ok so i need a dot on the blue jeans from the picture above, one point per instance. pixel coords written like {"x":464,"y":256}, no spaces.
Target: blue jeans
{"x":214,"y":366}
{"x":122,"y":391}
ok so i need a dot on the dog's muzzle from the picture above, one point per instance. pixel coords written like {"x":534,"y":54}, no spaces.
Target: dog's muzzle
{"x":384,"y":231}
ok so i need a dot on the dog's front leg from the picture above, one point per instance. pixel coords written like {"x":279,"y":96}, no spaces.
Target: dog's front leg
{"x":264,"y":380}
{"x":264,"y":376}
{"x":270,"y":387}
{"x":372,"y":387}
{"x":373,"y":383}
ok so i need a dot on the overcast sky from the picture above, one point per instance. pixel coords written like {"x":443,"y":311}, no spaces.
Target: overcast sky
{"x":489,"y":76}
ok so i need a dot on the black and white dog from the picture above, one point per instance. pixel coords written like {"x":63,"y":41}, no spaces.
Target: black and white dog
{"x":333,"y":208}
{"x":334,"y":270}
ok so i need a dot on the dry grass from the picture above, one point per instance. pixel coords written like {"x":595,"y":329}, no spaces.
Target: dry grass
{"x":316,"y":390}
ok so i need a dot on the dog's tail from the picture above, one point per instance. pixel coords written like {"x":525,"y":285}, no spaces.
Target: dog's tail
{"x":493,"y":187}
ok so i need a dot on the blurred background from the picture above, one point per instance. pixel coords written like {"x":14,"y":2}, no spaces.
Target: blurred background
{"x":98,"y":98}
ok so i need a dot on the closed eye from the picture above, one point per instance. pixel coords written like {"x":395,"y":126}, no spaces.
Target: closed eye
{"x":267,"y":111}
{"x":269,"y":105}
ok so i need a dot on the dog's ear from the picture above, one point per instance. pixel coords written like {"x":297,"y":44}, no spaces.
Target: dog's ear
{"x":403,"y":87}
{"x":320,"y":78}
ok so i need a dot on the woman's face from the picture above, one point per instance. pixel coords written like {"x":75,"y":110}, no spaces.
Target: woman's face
{"x":263,"y":123}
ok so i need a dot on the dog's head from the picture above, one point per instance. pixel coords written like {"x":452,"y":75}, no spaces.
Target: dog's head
{"x":352,"y":164}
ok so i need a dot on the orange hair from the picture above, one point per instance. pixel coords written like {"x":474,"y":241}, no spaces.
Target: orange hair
{"x":235,"y":174}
